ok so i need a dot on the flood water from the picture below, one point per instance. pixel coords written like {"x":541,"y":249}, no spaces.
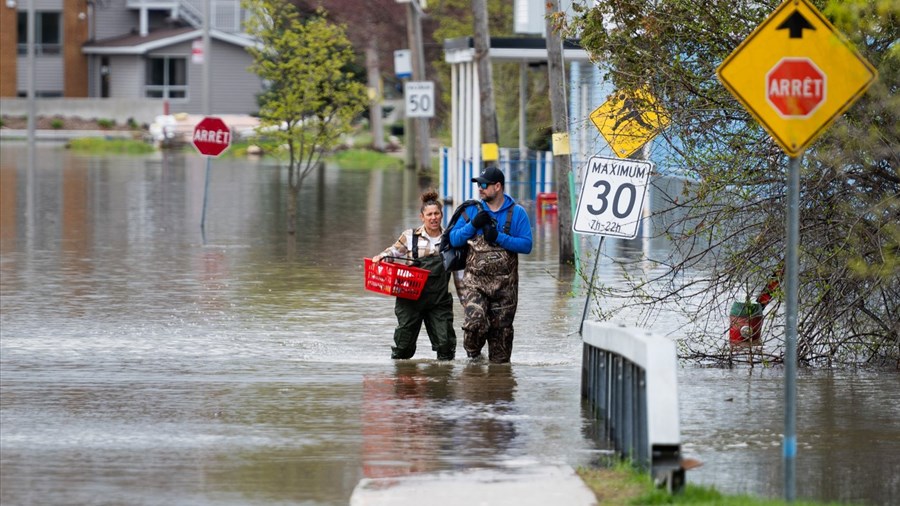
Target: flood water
{"x":142,"y":362}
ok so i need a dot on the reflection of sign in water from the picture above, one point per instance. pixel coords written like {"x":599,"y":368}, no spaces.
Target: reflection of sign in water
{"x":796,"y":74}
{"x":628,"y":121}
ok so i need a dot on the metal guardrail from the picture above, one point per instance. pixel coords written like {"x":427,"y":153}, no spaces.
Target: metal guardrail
{"x":629,"y":383}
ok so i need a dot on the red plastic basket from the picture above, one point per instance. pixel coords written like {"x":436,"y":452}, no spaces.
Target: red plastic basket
{"x":398,"y":280}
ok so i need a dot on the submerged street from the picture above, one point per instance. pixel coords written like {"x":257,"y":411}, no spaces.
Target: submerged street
{"x":143,"y":363}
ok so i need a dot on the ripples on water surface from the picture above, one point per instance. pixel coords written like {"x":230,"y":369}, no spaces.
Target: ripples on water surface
{"x":143,"y":365}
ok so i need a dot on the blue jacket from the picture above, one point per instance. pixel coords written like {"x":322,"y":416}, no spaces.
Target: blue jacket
{"x":519,"y":238}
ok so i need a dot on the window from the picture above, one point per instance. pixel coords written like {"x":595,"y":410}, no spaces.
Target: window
{"x":47,"y":32}
{"x":166,"y":77}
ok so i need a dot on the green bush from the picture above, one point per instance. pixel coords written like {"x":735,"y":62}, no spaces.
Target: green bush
{"x":106,"y":123}
{"x":56,"y":123}
{"x":101,"y":145}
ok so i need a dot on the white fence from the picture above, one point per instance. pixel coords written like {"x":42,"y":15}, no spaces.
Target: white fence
{"x":629,"y":382}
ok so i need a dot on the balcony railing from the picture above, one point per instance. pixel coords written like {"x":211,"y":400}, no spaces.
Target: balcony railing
{"x":225,"y":15}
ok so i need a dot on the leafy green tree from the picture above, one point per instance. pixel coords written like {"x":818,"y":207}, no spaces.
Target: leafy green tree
{"x":727,"y":226}
{"x":311,"y":99}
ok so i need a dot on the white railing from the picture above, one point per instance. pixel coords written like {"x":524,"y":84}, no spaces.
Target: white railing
{"x":225,"y":15}
{"x":629,"y":382}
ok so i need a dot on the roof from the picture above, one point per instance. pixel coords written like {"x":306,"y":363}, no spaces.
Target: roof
{"x":133,"y":43}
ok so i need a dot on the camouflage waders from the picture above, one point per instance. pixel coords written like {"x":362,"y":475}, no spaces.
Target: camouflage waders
{"x":434,"y":307}
{"x":490,"y":298}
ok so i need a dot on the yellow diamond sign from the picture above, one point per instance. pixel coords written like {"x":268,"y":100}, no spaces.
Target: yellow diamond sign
{"x":629,"y":120}
{"x":796,"y":74}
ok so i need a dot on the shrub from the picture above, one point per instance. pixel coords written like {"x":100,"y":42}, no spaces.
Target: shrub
{"x":106,"y":123}
{"x":56,"y":123}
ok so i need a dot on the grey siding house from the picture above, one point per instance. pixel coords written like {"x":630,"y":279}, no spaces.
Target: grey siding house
{"x":157,"y":54}
{"x":142,"y":50}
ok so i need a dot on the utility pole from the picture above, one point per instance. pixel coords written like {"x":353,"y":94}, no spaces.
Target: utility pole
{"x":422,"y":141}
{"x":207,"y":63}
{"x":562,"y":164}
{"x":489,"y":129}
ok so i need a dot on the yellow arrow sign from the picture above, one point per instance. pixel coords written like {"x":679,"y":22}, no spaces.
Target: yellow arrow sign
{"x":796,"y":74}
{"x":629,"y":120}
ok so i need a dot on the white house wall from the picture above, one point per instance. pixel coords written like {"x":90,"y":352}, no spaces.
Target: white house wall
{"x":234,"y":88}
{"x":241,"y":86}
{"x":126,"y":77}
{"x":48,"y":73}
{"x":113,"y":19}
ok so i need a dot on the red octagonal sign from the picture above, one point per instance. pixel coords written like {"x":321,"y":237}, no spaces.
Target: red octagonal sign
{"x":211,"y":136}
{"x":795,"y":87}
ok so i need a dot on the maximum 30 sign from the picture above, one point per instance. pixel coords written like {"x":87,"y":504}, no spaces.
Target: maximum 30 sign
{"x":612,"y":197}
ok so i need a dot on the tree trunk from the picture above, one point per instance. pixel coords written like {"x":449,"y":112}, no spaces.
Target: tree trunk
{"x":293,"y":191}
{"x":489,"y":129}
{"x":293,"y":197}
{"x":561,"y":163}
{"x":374,"y":80}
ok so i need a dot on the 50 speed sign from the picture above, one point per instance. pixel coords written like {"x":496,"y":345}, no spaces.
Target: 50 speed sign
{"x":612,"y":197}
{"x":419,"y":99}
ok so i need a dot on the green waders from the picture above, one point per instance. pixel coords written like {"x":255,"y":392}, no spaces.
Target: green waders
{"x":434,"y":307}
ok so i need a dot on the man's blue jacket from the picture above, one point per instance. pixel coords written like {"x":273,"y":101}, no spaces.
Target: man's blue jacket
{"x":519,"y":238}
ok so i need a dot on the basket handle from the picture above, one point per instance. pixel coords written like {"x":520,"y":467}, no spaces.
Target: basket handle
{"x":411,"y":261}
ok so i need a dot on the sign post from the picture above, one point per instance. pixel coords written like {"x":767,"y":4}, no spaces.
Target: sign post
{"x":211,"y":138}
{"x":795,"y":74}
{"x":611,"y":204}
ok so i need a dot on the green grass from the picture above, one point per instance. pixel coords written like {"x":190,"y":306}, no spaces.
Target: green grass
{"x":621,"y":485}
{"x":100,"y":145}
{"x":365,"y":159}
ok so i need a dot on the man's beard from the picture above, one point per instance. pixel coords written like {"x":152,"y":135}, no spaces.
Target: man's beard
{"x":491,"y":198}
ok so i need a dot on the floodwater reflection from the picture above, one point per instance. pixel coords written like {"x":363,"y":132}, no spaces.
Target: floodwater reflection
{"x":142,"y":364}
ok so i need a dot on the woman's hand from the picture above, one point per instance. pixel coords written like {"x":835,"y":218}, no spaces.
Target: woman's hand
{"x":377,"y":258}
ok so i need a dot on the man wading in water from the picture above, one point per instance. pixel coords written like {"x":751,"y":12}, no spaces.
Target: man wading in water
{"x":497,"y":231}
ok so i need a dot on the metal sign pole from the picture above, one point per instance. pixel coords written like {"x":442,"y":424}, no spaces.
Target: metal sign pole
{"x":587,"y":299}
{"x":205,"y":193}
{"x":792,"y":268}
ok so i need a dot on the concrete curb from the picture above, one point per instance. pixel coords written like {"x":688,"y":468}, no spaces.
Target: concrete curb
{"x":527,"y":486}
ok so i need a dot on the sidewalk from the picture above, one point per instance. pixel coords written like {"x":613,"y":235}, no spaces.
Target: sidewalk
{"x":528,"y":486}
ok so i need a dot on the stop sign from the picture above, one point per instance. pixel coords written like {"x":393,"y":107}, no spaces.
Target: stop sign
{"x":211,"y":136}
{"x":795,"y":87}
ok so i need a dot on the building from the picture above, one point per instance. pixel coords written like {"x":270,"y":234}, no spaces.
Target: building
{"x":130,"y":50}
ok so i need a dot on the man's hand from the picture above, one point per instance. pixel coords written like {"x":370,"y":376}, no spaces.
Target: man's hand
{"x":490,"y":234}
{"x":481,"y":219}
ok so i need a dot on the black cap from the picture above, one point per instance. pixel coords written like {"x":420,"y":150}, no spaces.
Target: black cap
{"x":490,"y":175}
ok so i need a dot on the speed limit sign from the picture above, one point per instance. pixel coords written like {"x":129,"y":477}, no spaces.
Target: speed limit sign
{"x":612,"y":197}
{"x":419,"y":99}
